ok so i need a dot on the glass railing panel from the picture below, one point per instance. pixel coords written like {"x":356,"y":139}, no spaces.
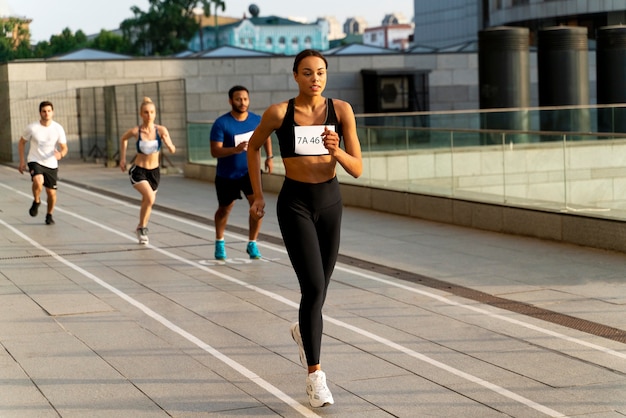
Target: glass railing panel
{"x":198,"y":143}
{"x":365,"y":136}
{"x":595,"y":174}
{"x":476,"y":171}
{"x":534,"y":173}
{"x":598,"y":118}
{"x":384,"y":158}
{"x":438,"y":154}
{"x":278,"y":166}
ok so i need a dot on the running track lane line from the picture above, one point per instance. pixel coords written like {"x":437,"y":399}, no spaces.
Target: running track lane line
{"x":367,"y":276}
{"x":247,"y":373}
{"x":482,"y":311}
{"x":495,"y":388}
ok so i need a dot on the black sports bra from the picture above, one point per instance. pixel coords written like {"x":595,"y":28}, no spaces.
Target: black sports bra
{"x":286,"y":135}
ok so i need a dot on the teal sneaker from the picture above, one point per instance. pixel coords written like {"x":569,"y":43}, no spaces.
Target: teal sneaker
{"x":220,"y":250}
{"x":253,"y":251}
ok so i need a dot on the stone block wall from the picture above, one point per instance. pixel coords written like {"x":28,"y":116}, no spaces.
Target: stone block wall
{"x":24,"y":84}
{"x":453,"y":83}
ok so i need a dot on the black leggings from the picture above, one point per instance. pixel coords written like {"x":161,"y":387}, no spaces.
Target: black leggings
{"x":309,"y":216}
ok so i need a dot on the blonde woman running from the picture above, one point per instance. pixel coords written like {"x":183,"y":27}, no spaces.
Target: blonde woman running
{"x":144,"y":173}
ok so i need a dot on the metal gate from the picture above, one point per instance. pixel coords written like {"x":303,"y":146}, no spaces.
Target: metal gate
{"x":106,"y":112}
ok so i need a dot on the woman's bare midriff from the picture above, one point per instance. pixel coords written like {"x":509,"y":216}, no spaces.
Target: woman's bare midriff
{"x":149,"y":162}
{"x":310,"y":169}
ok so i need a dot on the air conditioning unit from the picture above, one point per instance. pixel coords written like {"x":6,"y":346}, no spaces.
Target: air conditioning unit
{"x":395,"y":90}
{"x":394,"y":93}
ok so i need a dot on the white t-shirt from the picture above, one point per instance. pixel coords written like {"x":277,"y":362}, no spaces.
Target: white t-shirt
{"x":43,"y":141}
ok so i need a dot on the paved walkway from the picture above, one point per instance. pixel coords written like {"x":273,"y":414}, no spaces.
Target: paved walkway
{"x":422,"y":319}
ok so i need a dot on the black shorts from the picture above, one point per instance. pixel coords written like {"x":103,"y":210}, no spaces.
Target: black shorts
{"x":229,"y":190}
{"x":138,"y":174}
{"x":50,"y":175}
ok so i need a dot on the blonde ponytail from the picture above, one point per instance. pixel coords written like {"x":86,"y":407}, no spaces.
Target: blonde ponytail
{"x":146,"y":101}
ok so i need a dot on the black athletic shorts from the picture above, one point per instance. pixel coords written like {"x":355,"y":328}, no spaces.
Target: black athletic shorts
{"x":229,"y":190}
{"x":138,"y":174}
{"x":50,"y":175}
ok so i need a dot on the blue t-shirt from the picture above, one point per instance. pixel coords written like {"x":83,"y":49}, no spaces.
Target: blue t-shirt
{"x":224,"y":130}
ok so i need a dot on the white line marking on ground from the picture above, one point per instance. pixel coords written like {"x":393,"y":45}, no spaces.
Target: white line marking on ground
{"x":495,"y":388}
{"x":431,"y":295}
{"x":490,"y":314}
{"x":253,"y":377}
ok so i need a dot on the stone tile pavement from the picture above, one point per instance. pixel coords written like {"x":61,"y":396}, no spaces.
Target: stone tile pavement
{"x":422,"y":319}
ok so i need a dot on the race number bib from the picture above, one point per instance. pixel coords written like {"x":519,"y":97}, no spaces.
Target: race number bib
{"x":308,"y":139}
{"x":243,"y":137}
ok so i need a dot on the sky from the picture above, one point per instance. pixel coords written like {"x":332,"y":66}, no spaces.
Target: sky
{"x":91,"y":16}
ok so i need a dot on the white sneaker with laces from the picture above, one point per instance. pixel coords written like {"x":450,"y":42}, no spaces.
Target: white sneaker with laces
{"x":295,"y":334}
{"x":142,"y":235}
{"x":319,"y":394}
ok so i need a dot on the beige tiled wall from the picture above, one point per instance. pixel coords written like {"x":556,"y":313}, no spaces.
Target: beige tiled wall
{"x":270,"y":80}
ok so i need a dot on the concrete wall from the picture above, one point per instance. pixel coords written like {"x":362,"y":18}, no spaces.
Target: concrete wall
{"x":453,"y":84}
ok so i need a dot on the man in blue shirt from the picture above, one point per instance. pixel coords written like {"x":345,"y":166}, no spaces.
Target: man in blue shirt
{"x":229,"y":144}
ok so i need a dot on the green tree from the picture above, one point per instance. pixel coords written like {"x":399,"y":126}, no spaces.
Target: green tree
{"x":61,"y":44}
{"x":5,"y":52}
{"x":166,"y":27}
{"x":68,"y":41}
{"x":109,"y":41}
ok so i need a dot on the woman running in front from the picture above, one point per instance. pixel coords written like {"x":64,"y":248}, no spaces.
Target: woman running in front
{"x":309,"y":128}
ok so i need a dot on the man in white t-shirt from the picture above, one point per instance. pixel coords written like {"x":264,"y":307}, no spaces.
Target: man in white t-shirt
{"x":48,"y":144}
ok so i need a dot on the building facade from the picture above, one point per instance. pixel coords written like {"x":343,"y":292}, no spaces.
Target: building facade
{"x":354,"y":26}
{"x":335,"y":30}
{"x":271,"y":34}
{"x":445,"y":23}
{"x":13,"y":28}
{"x":16,"y":29}
{"x":389,"y":36}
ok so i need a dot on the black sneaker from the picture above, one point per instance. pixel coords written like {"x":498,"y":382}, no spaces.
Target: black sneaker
{"x":34,"y":208}
{"x":49,"y":220}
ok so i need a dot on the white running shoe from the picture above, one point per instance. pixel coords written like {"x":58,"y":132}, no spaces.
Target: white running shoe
{"x":295,"y":334}
{"x":142,"y":235}
{"x":319,"y":394}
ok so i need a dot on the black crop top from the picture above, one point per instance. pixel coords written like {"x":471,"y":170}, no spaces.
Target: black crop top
{"x":286,"y":135}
